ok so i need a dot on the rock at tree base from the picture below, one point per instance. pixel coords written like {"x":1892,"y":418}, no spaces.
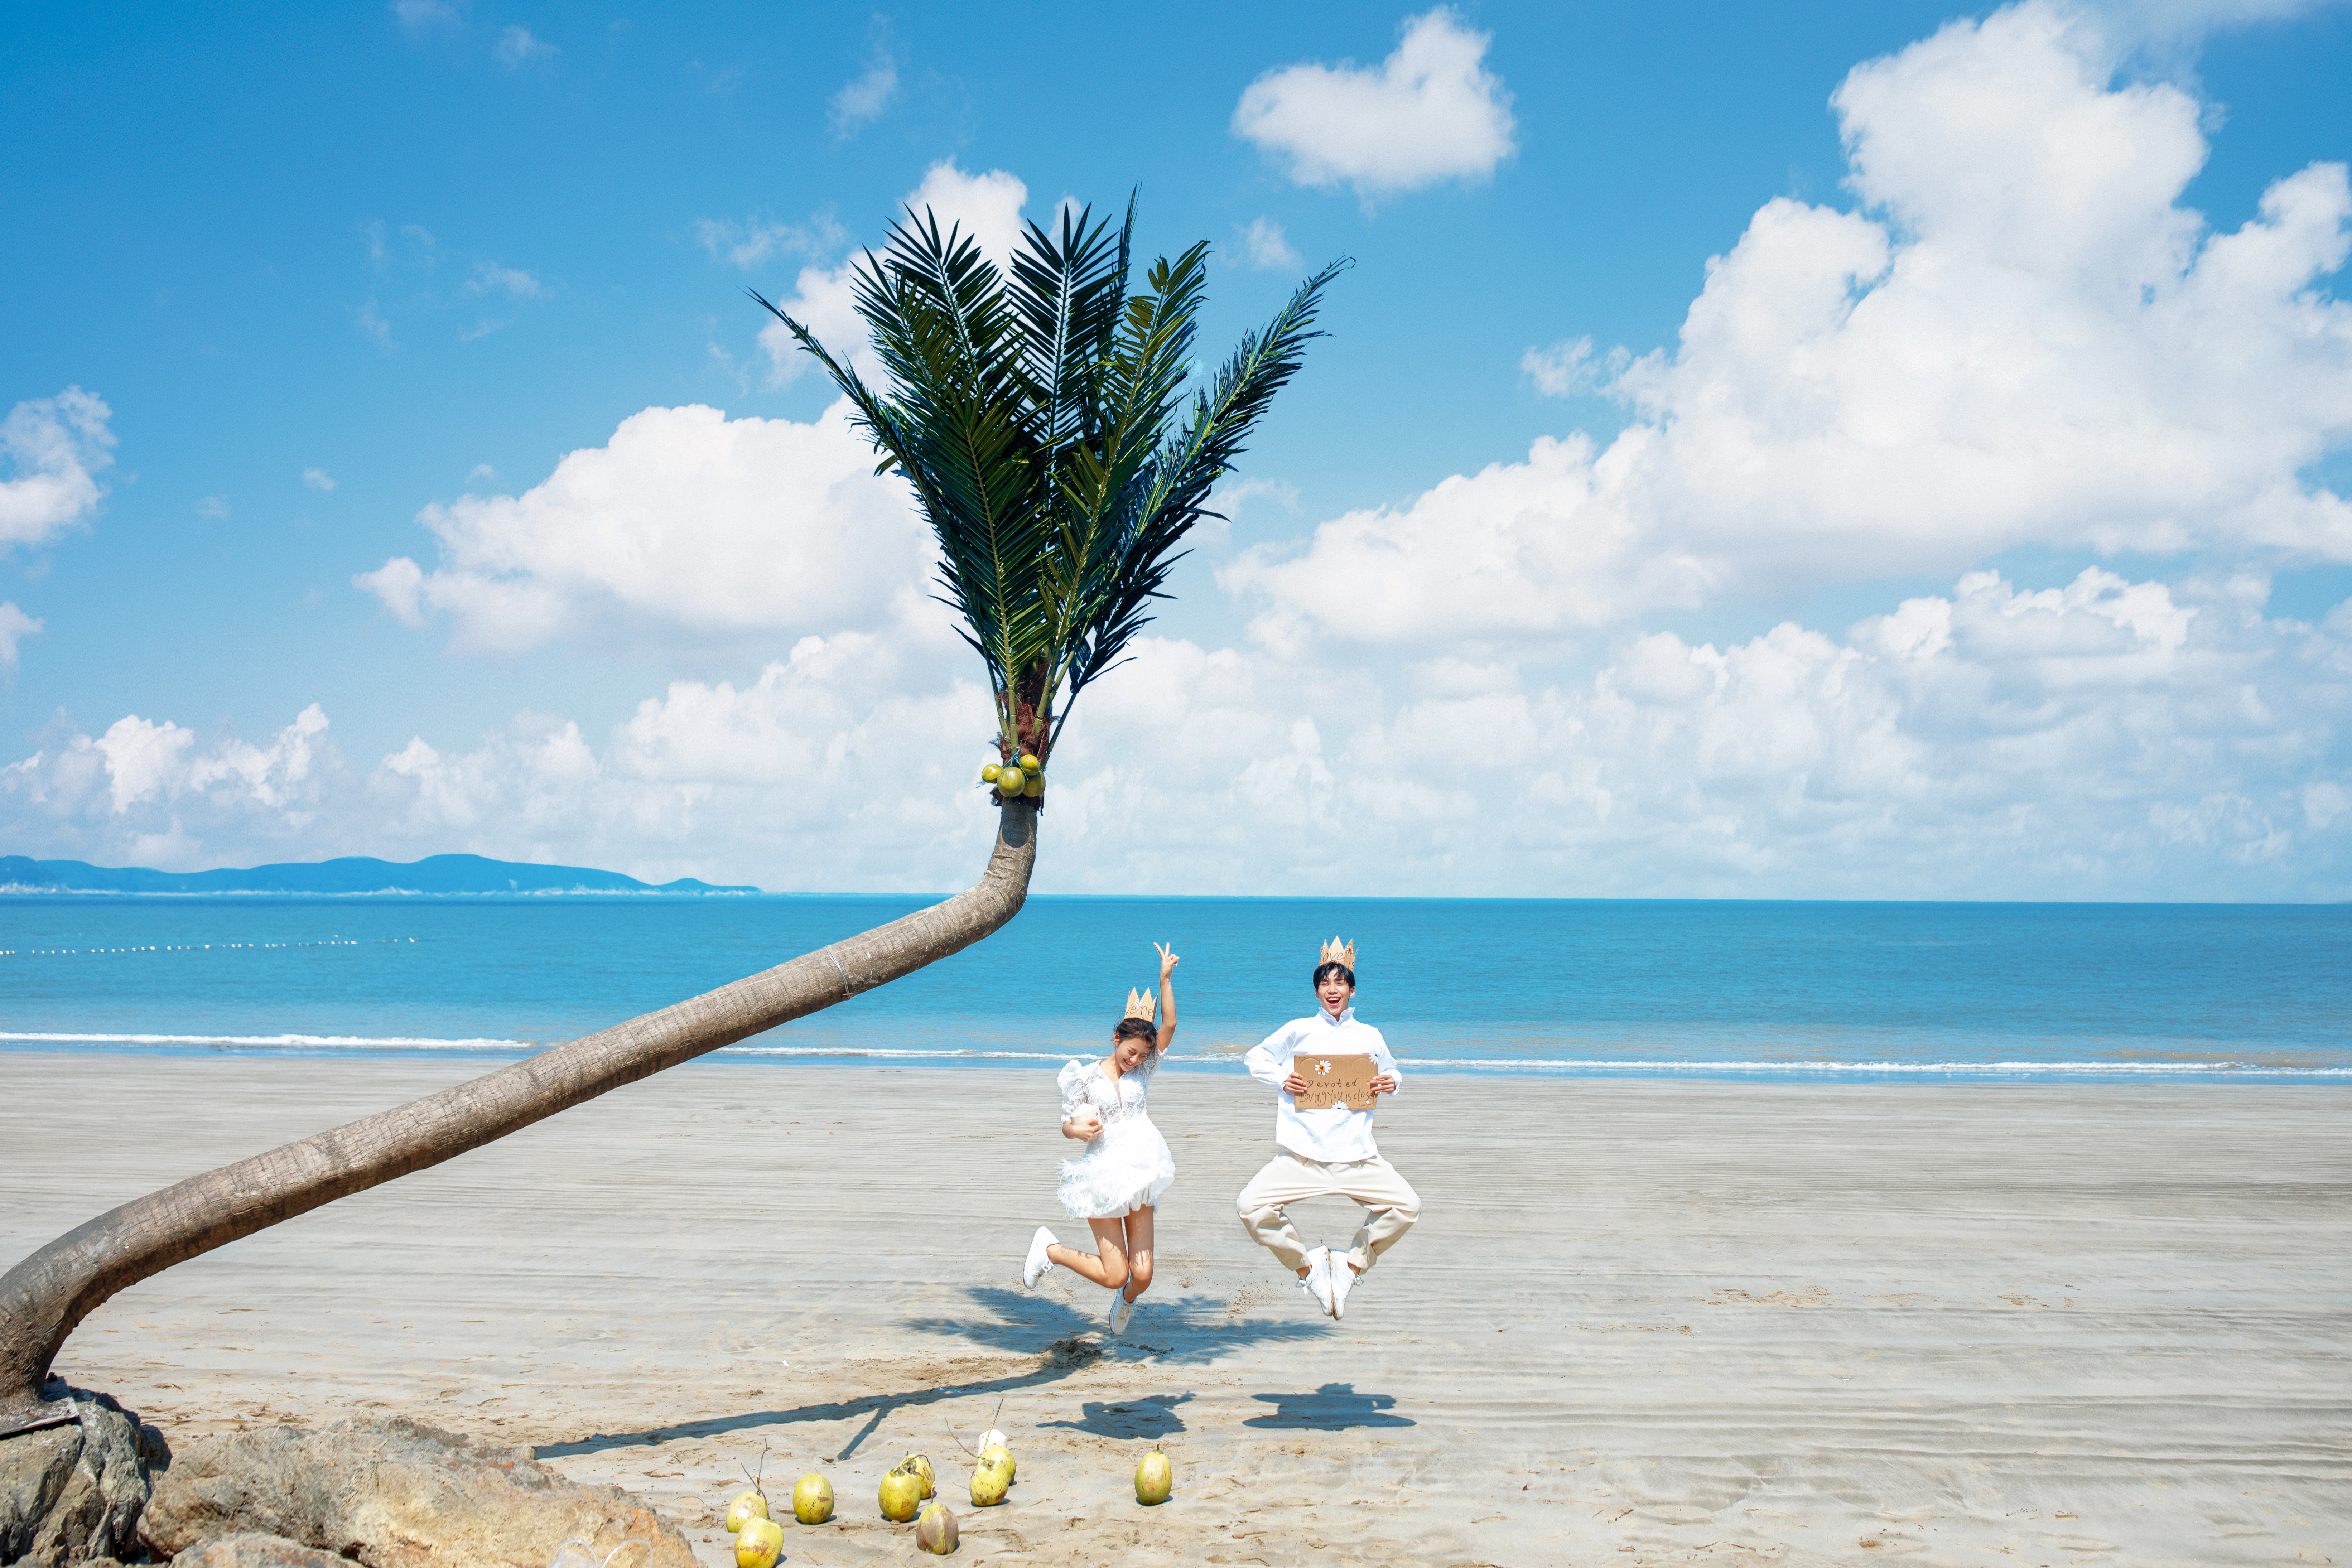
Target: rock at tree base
{"x":257,"y":1552}
{"x":74,"y":1492}
{"x":392,"y":1493}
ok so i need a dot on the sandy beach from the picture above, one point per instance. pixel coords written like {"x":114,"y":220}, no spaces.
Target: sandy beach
{"x":1639,"y":1322}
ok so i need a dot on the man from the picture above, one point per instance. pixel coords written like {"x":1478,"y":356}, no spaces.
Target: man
{"x":1328,"y":1152}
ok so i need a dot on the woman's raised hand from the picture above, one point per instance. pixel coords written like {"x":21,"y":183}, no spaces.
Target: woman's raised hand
{"x":1167,"y":959}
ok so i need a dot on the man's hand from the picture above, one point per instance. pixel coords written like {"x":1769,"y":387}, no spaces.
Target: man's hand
{"x":1294,"y":1085}
{"x":1384,"y":1084}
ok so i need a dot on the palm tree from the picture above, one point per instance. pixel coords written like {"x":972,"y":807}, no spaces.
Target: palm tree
{"x":1034,"y":417}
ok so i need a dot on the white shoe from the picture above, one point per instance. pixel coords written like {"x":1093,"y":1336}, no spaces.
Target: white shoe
{"x":1343,"y":1279}
{"x":1122,"y":1310}
{"x":1032,"y":1267}
{"x":1317,"y":1283}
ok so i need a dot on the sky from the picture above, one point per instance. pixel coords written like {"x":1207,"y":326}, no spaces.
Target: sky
{"x":1864,"y":451}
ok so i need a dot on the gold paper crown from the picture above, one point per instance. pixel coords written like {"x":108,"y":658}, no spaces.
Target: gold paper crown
{"x":1337,"y":951}
{"x":1143,"y":1006}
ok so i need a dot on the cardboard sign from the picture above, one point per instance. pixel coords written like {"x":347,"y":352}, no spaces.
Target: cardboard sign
{"x":1333,"y":1080}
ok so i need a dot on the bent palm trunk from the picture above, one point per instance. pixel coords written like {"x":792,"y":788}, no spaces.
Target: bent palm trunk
{"x":44,"y":1297}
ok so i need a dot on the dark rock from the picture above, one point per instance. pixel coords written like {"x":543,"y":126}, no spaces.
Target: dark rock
{"x":72,"y":1493}
{"x":392,"y":1493}
{"x":257,"y":1552}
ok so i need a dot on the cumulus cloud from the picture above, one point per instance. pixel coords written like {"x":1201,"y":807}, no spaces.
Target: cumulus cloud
{"x":156,"y":792}
{"x":756,"y":241}
{"x":986,"y":206}
{"x":518,"y":47}
{"x":2108,"y":737}
{"x":1264,"y":244}
{"x":418,"y":17}
{"x":16,"y":626}
{"x":55,"y":448}
{"x":862,"y":100}
{"x":1567,"y":367}
{"x":1431,"y":112}
{"x":2021,"y":337}
{"x":489,"y":277}
{"x":686,"y":525}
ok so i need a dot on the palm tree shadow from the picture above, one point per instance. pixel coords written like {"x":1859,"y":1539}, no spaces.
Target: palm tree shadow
{"x":1182,"y":1329}
{"x":1334,"y":1408}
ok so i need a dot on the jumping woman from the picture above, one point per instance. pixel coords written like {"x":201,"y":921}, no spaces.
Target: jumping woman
{"x":1126,"y":1167}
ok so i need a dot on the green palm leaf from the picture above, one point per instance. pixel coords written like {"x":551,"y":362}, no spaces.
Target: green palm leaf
{"x":1034,"y":413}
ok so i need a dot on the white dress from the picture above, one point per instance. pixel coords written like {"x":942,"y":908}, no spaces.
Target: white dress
{"x":1127,"y":1164}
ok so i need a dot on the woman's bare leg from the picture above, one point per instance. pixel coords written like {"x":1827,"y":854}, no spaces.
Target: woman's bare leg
{"x":1138,"y":1252}
{"x":1106,"y":1265}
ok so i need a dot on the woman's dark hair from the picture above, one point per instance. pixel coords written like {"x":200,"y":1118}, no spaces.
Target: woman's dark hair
{"x":1322,"y":971}
{"x":1136,"y":1029}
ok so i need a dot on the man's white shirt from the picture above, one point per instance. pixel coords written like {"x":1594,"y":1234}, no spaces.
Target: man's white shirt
{"x":1338,"y":1135}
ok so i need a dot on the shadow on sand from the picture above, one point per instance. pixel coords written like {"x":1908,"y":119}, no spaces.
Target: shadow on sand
{"x":1183,"y":1328}
{"x":1334,"y":1408}
{"x":1153,"y":1416}
{"x":1194,"y":1327}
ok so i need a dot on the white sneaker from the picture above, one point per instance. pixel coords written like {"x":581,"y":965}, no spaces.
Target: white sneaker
{"x":1343,"y":1279}
{"x":1317,"y":1283}
{"x":1122,"y":1310}
{"x":1032,"y":1267}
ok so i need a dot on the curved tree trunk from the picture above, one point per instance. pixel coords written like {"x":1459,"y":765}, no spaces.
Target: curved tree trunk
{"x":44,"y":1297}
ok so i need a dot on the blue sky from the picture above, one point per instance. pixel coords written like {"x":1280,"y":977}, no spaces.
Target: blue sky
{"x":1915,"y":310}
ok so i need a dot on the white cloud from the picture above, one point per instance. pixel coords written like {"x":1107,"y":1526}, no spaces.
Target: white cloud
{"x":1566,"y":368}
{"x":1431,"y":112}
{"x":318,"y":480}
{"x":518,"y":47}
{"x":423,"y":16}
{"x":1266,"y":245}
{"x":686,"y":525}
{"x":374,"y":327}
{"x":2023,"y":338}
{"x":862,"y":100}
{"x":213,"y":509}
{"x":755,"y":241}
{"x":55,"y":448}
{"x":489,"y":277}
{"x":2108,"y":738}
{"x":985,"y":207}
{"x":16,"y":626}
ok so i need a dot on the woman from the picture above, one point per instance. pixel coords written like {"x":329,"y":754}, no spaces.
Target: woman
{"x":1114,"y":1185}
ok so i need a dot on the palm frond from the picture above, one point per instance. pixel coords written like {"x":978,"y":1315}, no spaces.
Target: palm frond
{"x":1030,"y":409}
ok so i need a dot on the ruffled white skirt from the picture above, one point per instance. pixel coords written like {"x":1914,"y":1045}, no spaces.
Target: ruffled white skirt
{"x":1126,"y":1167}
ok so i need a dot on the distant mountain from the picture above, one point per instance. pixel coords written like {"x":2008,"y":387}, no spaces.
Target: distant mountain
{"x":351,"y":874}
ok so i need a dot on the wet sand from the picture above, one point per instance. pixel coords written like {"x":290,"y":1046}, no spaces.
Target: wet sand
{"x":1639,"y":1323}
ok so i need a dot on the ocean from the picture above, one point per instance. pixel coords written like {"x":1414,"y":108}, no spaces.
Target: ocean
{"x":1839,"y":992}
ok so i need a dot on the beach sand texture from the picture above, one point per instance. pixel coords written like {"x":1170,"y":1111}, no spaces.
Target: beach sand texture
{"x":1639,"y":1322}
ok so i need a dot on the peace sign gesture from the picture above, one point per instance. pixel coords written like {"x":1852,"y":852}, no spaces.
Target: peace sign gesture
{"x":1167,"y":959}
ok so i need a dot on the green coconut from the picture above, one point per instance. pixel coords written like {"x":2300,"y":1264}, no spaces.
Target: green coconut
{"x":1155,"y":1477}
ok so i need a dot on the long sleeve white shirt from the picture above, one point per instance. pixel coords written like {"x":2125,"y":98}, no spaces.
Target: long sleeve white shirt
{"x":1338,"y":1135}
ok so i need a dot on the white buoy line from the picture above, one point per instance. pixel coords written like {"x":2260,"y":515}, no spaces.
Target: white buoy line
{"x":194,"y":947}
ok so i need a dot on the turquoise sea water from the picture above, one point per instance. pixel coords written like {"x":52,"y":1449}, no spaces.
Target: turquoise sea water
{"x":1845,"y":991}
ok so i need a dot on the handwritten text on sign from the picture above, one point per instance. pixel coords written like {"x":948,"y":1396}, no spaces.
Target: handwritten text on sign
{"x":1333,"y":1080}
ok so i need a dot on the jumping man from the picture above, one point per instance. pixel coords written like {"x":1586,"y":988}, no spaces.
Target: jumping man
{"x":1330,"y":1152}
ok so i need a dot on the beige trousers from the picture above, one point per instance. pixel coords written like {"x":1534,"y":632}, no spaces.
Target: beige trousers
{"x":1390,"y":1205}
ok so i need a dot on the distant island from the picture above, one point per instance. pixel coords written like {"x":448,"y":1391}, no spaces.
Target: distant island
{"x":349,"y":874}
